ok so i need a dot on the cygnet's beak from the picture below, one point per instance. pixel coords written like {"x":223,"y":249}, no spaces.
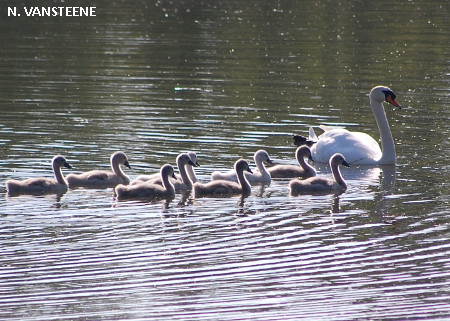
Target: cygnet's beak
{"x":127,"y":164}
{"x":310,"y":158}
{"x":268,"y":160}
{"x":249,"y":170}
{"x":67,"y":165}
{"x":345,"y":163}
{"x":193,"y":164}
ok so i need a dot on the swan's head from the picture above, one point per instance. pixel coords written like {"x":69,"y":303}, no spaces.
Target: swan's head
{"x":241,"y":165}
{"x":60,"y":161}
{"x":167,"y":171}
{"x":338,"y":159}
{"x":193,"y":157}
{"x":120,"y":158}
{"x":262,"y":156}
{"x":304,"y":151}
{"x":382,"y":93}
{"x":184,"y":159}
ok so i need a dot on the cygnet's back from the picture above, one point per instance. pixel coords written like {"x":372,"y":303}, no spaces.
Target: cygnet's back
{"x":322,"y":184}
{"x":41,"y":185}
{"x":259,"y":176}
{"x":288,"y":171}
{"x":102,"y":178}
{"x":148,"y":189}
{"x":182,"y":184}
{"x":224,"y":187}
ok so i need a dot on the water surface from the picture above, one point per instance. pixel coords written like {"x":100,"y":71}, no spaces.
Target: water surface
{"x":224,"y":80}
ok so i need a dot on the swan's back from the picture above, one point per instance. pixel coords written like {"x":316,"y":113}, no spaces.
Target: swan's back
{"x":148,"y":189}
{"x":224,"y":187}
{"x":289,"y":171}
{"x":356,"y":147}
{"x":41,"y":185}
{"x":260,"y":176}
{"x":217,"y":188}
{"x":184,"y":182}
{"x":103,"y":178}
{"x":322,"y":184}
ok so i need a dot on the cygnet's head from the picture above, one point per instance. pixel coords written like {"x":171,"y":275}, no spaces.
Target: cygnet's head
{"x":185,"y":159}
{"x":60,"y":161}
{"x":167,"y":171}
{"x":241,"y":165}
{"x":193,"y":157}
{"x":338,"y":159}
{"x":304,"y":151}
{"x":120,"y":158}
{"x":263,"y":156}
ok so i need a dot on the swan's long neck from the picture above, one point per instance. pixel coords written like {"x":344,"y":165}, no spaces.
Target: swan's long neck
{"x":191,"y":173}
{"x":337,"y":175}
{"x":118,"y":170}
{"x":261,"y":168}
{"x":59,"y":175}
{"x":167,"y":183}
{"x":387,"y":141}
{"x":246,"y":188}
{"x":184,"y":176}
{"x":308,"y":168}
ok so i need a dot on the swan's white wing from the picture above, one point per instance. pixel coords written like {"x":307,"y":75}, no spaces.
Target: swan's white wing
{"x":357,"y":147}
{"x":312,"y":135}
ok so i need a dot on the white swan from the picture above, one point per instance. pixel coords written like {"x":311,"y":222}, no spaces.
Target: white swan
{"x":320,"y":184}
{"x":260,"y":176}
{"x":148,"y":189}
{"x":41,"y":185}
{"x":224,"y":187}
{"x":101,"y":178}
{"x":357,"y":147}
{"x":286,"y":171}
{"x":183,"y":160}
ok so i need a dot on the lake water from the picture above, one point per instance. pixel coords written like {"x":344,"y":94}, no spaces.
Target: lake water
{"x":225,"y":79}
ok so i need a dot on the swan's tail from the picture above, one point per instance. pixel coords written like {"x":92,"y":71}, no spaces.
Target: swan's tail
{"x":302,"y":140}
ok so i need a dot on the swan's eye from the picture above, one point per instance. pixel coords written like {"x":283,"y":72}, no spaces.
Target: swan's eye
{"x":388,"y":93}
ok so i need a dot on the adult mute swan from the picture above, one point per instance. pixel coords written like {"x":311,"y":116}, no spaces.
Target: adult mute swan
{"x":183,"y":160}
{"x":224,"y":187}
{"x":287,"y":171}
{"x":148,"y":189}
{"x":321,"y":184}
{"x":41,"y":185}
{"x":357,"y":147}
{"x":101,"y":178}
{"x":259,"y":176}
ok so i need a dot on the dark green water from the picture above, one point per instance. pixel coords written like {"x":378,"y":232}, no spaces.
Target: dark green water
{"x":224,"y":79}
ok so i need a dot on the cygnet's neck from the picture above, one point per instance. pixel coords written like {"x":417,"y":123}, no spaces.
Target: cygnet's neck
{"x":118,"y":170}
{"x":388,"y":155}
{"x":245,"y":185}
{"x":306,"y":167}
{"x":191,"y":173}
{"x":337,"y":175}
{"x":57,"y":170}
{"x":183,"y":174}
{"x":259,"y":164}
{"x":167,"y":183}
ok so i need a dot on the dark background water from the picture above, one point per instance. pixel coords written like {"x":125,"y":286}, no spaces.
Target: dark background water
{"x":224,"y":79}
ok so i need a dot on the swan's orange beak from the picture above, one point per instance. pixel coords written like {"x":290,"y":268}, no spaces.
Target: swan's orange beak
{"x":392,"y":101}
